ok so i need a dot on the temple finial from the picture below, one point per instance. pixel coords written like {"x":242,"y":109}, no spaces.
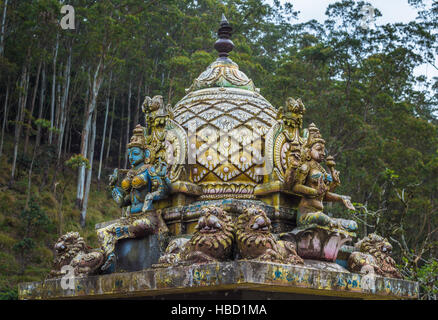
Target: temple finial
{"x":224,"y":45}
{"x":224,"y":19}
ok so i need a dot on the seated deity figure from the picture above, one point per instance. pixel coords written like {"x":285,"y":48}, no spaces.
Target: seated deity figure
{"x":315,"y":185}
{"x":144,"y":183}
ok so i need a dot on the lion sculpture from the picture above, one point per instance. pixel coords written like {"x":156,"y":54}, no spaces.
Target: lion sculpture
{"x":71,"y":250}
{"x":212,"y":241}
{"x":256,"y":242}
{"x":373,"y":251}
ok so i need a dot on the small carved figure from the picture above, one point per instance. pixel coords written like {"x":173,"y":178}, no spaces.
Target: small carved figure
{"x":71,"y":250}
{"x":373,"y":251}
{"x":212,"y":241}
{"x":293,"y":161}
{"x":292,"y":113}
{"x":172,"y":254}
{"x":256,"y":242}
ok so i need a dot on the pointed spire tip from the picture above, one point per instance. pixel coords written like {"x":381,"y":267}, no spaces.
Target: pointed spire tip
{"x":224,"y":19}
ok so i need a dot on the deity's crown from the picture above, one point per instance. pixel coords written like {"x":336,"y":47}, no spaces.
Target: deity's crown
{"x":138,"y":138}
{"x":295,"y":106}
{"x":292,"y":112}
{"x":314,"y":136}
{"x":155,"y":106}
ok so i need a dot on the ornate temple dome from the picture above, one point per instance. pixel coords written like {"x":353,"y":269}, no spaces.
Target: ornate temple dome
{"x":226,"y":120}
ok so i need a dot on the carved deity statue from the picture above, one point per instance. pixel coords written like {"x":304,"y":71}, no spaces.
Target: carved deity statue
{"x":144,"y":183}
{"x":315,"y":185}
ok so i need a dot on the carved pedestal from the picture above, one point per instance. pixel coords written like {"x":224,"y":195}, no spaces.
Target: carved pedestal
{"x":317,"y":243}
{"x":137,"y":254}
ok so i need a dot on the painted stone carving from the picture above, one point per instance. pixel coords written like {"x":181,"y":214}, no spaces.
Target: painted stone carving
{"x":71,"y":250}
{"x":256,"y":242}
{"x":131,"y":227}
{"x":374,"y":252}
{"x":213,"y":241}
{"x":226,"y":120}
{"x":223,"y":72}
{"x":315,"y":185}
{"x":145,"y":183}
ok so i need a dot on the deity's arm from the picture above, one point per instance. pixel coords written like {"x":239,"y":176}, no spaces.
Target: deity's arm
{"x":300,"y":188}
{"x":118,"y":194}
{"x":334,"y":197}
{"x":120,"y":197}
{"x":160,"y":189}
{"x":304,"y":191}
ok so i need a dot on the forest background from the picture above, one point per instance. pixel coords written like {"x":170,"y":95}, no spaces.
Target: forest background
{"x":69,"y":100}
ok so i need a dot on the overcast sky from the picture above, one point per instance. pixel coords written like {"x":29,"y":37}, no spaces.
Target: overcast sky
{"x":392,"y":11}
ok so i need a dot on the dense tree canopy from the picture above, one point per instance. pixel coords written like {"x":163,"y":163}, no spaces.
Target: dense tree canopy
{"x":63,"y":92}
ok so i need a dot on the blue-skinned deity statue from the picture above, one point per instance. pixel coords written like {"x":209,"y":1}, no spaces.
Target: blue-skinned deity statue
{"x":143,"y":184}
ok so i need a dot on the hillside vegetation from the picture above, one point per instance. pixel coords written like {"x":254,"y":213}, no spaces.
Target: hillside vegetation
{"x":27,"y":236}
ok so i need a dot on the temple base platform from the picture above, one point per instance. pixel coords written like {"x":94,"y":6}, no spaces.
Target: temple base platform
{"x":228,"y":280}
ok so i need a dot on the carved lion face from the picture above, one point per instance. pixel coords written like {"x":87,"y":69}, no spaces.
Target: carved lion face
{"x":385,"y":247}
{"x":214,"y":236}
{"x":375,"y":244}
{"x":258,"y":220}
{"x":67,"y":241}
{"x":211,"y":220}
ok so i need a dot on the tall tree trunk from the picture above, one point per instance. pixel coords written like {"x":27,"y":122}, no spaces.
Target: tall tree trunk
{"x":128,"y":122}
{"x":84,"y":146}
{"x":32,"y":107}
{"x":94,"y":91}
{"x":58,"y":103}
{"x":68,"y":149}
{"x":137,"y":109}
{"x":5,"y":119}
{"x":52,"y":103}
{"x":102,"y":147}
{"x":29,"y":177}
{"x":41,"y":107}
{"x":121,"y":139}
{"x":2,"y":30}
{"x":63,"y":115}
{"x":110,"y":132}
{"x":67,"y":131}
{"x":89,"y":171}
{"x":19,"y":120}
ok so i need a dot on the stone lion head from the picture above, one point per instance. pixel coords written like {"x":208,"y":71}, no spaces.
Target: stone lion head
{"x":375,"y":245}
{"x":67,"y":247}
{"x":214,"y":232}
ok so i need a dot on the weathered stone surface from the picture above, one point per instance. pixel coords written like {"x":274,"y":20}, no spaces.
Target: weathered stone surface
{"x":137,"y":254}
{"x":244,"y":275}
{"x":283,"y":218}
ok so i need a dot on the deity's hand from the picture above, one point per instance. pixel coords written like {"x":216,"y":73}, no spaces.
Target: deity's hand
{"x":322,"y":187}
{"x":113,"y":178}
{"x":335,"y":175}
{"x":147,"y":205}
{"x":347,"y":203}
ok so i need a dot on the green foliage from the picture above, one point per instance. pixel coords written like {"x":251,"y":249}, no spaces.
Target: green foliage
{"x":24,"y":246}
{"x":34,"y":221}
{"x":77,"y":161}
{"x":8,"y":293}
{"x":427,"y":275}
